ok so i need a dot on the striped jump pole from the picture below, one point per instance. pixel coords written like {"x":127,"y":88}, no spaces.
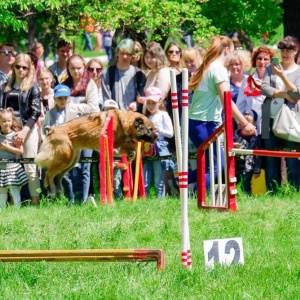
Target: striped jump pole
{"x":182,"y":160}
{"x":108,"y":255}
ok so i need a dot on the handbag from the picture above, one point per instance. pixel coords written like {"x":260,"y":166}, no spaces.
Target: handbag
{"x":149,"y":150}
{"x":287,"y":124}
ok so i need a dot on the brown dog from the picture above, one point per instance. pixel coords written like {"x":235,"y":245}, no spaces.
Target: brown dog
{"x":60,"y":151}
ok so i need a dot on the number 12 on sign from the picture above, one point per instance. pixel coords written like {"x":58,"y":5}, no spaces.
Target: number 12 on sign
{"x":223,"y":251}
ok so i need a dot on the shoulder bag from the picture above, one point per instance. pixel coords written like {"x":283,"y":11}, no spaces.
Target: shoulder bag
{"x":287,"y":124}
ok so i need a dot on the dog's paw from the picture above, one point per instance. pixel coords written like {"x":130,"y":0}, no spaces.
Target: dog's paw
{"x":131,"y":156}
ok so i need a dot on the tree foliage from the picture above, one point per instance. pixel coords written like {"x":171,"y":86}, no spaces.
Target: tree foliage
{"x":159,"y":19}
{"x":254,"y":17}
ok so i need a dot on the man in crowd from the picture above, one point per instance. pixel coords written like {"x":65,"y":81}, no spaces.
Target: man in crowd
{"x":64,"y":50}
{"x":123,"y":82}
{"x":7,"y":58}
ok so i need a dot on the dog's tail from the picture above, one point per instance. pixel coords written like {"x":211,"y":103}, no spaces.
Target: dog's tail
{"x":45,"y":156}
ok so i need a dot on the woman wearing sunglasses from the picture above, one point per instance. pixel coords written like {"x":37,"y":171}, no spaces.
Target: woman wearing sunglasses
{"x":174,"y":55}
{"x":84,"y":99}
{"x":94,"y":70}
{"x":137,"y":59}
{"x":23,"y":95}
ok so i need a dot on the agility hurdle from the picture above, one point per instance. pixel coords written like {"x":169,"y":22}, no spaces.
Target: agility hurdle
{"x":108,"y":255}
{"x":107,"y":165}
{"x":223,"y":196}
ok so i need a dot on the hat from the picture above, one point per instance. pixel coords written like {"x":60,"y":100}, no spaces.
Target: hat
{"x":110,"y":104}
{"x":61,"y":91}
{"x":251,"y":113}
{"x":153,"y":93}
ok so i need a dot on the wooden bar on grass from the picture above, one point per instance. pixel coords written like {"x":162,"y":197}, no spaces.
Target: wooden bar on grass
{"x":84,"y":255}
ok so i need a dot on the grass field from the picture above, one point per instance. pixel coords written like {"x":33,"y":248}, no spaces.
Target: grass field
{"x":269,"y":227}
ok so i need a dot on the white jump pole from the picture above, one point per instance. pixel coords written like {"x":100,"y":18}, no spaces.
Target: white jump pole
{"x":182,"y":161}
{"x":185,"y":154}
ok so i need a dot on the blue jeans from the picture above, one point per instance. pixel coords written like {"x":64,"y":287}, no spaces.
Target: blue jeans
{"x":78,"y":179}
{"x":155,"y":169}
{"x":88,"y":42}
{"x":199,"y":131}
{"x":108,"y":51}
{"x":273,"y":164}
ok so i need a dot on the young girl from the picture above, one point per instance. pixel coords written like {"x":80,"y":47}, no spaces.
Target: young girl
{"x":84,"y":99}
{"x":23,"y":95}
{"x":12,"y":175}
{"x":205,"y":112}
{"x":153,"y":109}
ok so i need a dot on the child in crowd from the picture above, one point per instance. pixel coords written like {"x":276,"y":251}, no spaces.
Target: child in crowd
{"x":154,"y":169}
{"x":58,"y":115}
{"x":247,"y":165}
{"x":12,"y":175}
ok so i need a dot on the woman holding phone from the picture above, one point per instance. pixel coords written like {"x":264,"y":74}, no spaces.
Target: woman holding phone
{"x":281,"y":85}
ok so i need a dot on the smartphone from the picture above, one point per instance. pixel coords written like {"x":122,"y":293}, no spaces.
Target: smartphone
{"x":275,"y":61}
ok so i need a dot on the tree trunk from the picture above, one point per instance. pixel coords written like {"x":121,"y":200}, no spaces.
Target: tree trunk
{"x":291,"y":19}
{"x":31,"y":30}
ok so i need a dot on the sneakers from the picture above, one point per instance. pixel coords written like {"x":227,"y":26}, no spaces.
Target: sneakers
{"x":92,"y":200}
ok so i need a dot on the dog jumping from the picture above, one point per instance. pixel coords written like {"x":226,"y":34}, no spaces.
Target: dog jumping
{"x":60,"y":151}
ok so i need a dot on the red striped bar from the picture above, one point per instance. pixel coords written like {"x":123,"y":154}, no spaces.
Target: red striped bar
{"x":105,"y":255}
{"x":184,"y":257}
{"x":185,"y":98}
{"x":174,"y":100}
{"x":258,"y":152}
{"x":189,"y":257}
{"x":183,"y":180}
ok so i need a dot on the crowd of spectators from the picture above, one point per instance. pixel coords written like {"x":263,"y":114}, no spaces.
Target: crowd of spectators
{"x":139,"y":80}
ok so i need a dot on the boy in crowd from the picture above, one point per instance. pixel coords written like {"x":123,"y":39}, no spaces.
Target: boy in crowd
{"x":58,"y":115}
{"x":64,"y":50}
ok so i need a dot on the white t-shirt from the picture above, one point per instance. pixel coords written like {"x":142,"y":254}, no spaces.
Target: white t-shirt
{"x":206,"y":104}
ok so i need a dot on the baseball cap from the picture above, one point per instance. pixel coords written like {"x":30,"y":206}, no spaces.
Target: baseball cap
{"x":153,"y":93}
{"x":251,"y":113}
{"x":110,"y":104}
{"x":61,"y":91}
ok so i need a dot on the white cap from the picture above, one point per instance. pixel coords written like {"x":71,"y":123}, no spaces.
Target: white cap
{"x":110,"y":104}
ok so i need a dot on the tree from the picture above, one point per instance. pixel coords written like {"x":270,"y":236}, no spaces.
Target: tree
{"x":139,"y":19}
{"x":160,"y":19}
{"x":248,"y":17}
{"x":291,"y":18}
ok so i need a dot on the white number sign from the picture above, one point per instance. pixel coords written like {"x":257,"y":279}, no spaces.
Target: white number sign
{"x":223,"y":251}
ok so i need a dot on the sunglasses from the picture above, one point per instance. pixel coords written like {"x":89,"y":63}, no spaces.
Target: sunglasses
{"x":98,"y":70}
{"x":6,"y":53}
{"x":174,"y":52}
{"x":18,"y":67}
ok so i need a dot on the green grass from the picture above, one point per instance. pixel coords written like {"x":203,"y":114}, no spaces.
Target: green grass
{"x":268,"y":225}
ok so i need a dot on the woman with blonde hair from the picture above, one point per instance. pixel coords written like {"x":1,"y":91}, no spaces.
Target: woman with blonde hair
{"x":137,"y":59}
{"x":23,"y":95}
{"x":209,"y":84}
{"x":94,"y":69}
{"x":237,"y":64}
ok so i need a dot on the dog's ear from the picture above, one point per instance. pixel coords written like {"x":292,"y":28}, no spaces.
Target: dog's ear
{"x":138,"y":122}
